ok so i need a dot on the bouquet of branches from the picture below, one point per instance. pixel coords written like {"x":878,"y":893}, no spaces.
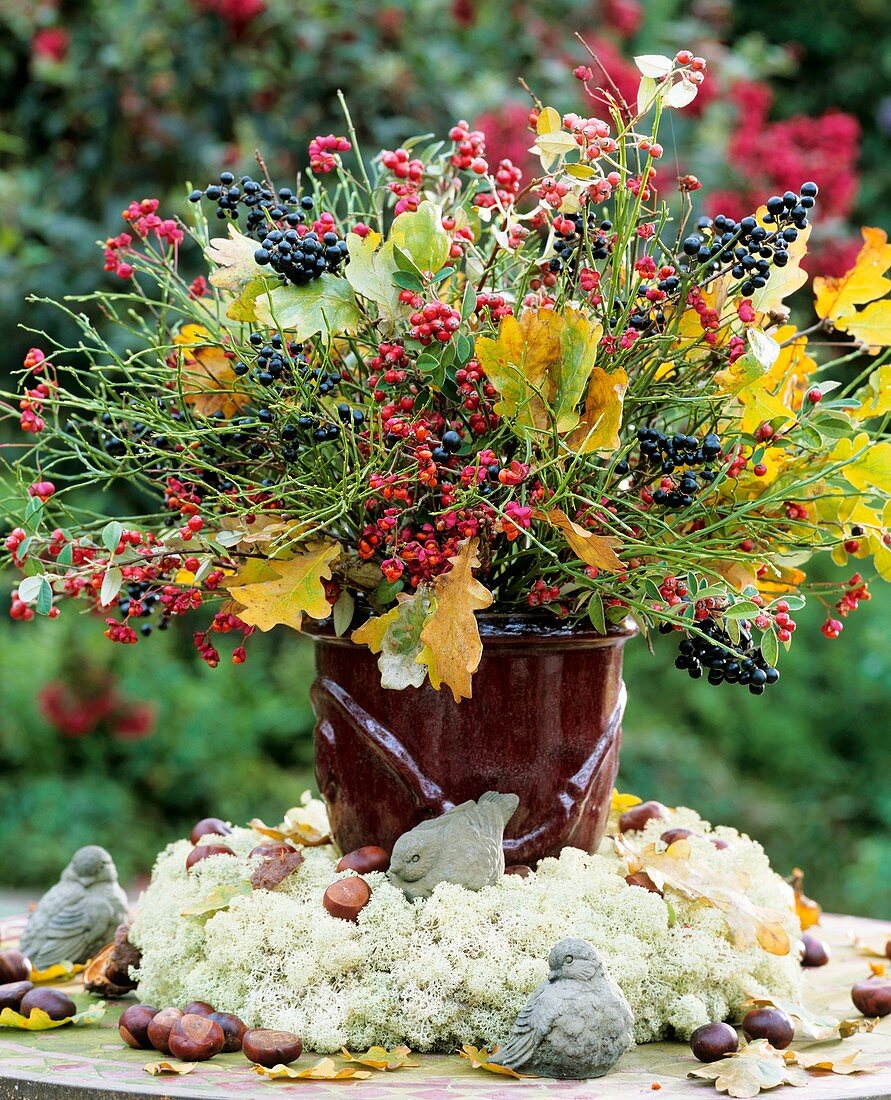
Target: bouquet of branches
{"x":417,"y":385}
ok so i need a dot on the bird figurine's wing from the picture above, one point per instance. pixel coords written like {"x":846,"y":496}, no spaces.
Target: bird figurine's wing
{"x":68,"y":933}
{"x":491,"y":813}
{"x":535,"y":1020}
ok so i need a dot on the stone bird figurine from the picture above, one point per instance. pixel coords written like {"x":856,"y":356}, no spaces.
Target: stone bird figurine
{"x":79,"y":914}
{"x":576,"y":1024}
{"x":463,"y":845}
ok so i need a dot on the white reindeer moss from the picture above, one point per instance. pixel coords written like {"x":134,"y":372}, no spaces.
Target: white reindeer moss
{"x":455,"y":968}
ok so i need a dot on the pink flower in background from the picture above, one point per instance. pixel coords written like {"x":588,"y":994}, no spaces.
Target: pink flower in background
{"x":237,"y":13}
{"x":50,"y":44}
{"x":94,"y":708}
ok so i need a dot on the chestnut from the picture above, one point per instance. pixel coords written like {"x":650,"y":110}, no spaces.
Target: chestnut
{"x":671,"y":835}
{"x":813,"y":951}
{"x":160,"y":1026}
{"x":11,"y":994}
{"x":58,"y":1006}
{"x":519,"y":869}
{"x":271,"y":1048}
{"x":133,"y":1025}
{"x":641,"y":878}
{"x":195,"y":1038}
{"x":14,"y":967}
{"x":711,"y":1042}
{"x":209,"y":826}
{"x":203,"y":851}
{"x":272,"y":848}
{"x":635,"y":818}
{"x":771,"y":1024}
{"x":347,"y":897}
{"x":199,"y":1008}
{"x":363,"y":860}
{"x":872,"y":996}
{"x":233,"y":1030}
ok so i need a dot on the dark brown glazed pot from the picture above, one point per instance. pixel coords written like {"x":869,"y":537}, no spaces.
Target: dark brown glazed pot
{"x":544,"y":723}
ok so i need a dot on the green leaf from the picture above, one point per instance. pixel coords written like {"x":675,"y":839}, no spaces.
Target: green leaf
{"x":463,"y":348}
{"x":468,"y":302}
{"x":66,"y":554}
{"x":111,"y":535}
{"x":327,"y":305}
{"x":219,"y":898}
{"x":386,"y":592}
{"x":44,"y":598}
{"x":407,"y":280}
{"x":421,"y":235}
{"x":111,"y":585}
{"x":405,"y":263}
{"x":770,"y":649}
{"x":745,"y":609}
{"x":596,"y":615}
{"x":442,"y":275}
{"x":244,"y":307}
{"x":33,"y":513}
{"x":343,"y":612}
{"x":372,"y":272}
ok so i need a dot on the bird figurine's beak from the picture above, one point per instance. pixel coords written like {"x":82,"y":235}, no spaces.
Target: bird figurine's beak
{"x":553,"y":976}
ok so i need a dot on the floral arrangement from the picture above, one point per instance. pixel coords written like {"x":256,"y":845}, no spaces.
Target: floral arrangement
{"x":418,"y":387}
{"x":457,"y":967}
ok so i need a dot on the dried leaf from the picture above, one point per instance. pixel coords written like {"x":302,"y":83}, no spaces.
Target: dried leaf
{"x":327,"y":305}
{"x":275,"y":869}
{"x":381,"y":1058}
{"x":598,"y":550}
{"x":158,"y":1069}
{"x":675,"y":867}
{"x":296,"y":590}
{"x":877,"y":944}
{"x":58,"y":972}
{"x":325,"y":1070}
{"x":306,"y":824}
{"x":234,"y":257}
{"x":451,"y":637}
{"x":219,"y":898}
{"x":396,"y":636}
{"x":209,"y":383}
{"x":857,"y":1026}
{"x":479,"y":1059}
{"x":854,"y":1062}
{"x":753,"y":1069}
{"x":38,"y":1020}
{"x":807,"y":910}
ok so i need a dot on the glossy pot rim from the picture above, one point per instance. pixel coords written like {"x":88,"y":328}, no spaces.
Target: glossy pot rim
{"x":511,"y":630}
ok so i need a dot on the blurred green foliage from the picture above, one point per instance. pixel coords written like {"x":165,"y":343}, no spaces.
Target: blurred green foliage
{"x":150,"y":93}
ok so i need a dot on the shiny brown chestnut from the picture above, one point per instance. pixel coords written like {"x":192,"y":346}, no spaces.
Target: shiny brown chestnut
{"x":57,"y":1005}
{"x":364,"y":860}
{"x":634,"y":819}
{"x":209,"y":826}
{"x":671,"y":835}
{"x":195,"y":1038}
{"x":160,"y":1026}
{"x":133,"y":1025}
{"x":199,"y":1008}
{"x":518,"y":869}
{"x":347,"y":897}
{"x":711,"y":1042}
{"x":204,"y":851}
{"x":813,"y":951}
{"x":233,"y":1030}
{"x":271,"y":1048}
{"x":11,"y":994}
{"x":872,"y":996}
{"x":14,"y":967}
{"x":771,"y":1024}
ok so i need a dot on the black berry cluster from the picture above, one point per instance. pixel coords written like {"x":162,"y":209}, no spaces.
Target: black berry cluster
{"x":670,"y":453}
{"x":748,"y":249}
{"x":566,"y":244}
{"x":744,"y":663}
{"x":300,"y":259}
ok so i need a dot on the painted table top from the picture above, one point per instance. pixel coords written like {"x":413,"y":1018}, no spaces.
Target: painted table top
{"x":91,"y":1063}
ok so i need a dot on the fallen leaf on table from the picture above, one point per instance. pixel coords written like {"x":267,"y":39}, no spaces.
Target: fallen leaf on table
{"x":878,"y":944}
{"x":479,"y":1059}
{"x":58,"y":972}
{"x":40,"y":1021}
{"x":753,"y":1069}
{"x":325,"y":1070}
{"x":219,"y":898}
{"x":807,"y":910}
{"x":275,"y":869}
{"x":857,"y":1026}
{"x":676,"y":867}
{"x":809,"y":1026}
{"x":381,"y":1058}
{"x":855,"y":1062}
{"x":156,"y":1069}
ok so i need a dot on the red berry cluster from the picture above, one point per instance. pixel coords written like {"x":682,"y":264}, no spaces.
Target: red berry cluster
{"x":409,"y":173}
{"x":541,"y":594}
{"x":434,"y":321}
{"x":470,"y":148}
{"x":322,"y":150}
{"x":508,"y":179}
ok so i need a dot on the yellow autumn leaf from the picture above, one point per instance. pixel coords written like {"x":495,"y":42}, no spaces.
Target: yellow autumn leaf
{"x":295,"y":590}
{"x":209,"y":382}
{"x":677,"y":867}
{"x":451,"y":637}
{"x":870,"y":327}
{"x":870,"y":470}
{"x":396,"y":636}
{"x":38,"y":1020}
{"x":854,"y":1061}
{"x":169,"y":1066}
{"x":838,"y":297}
{"x":598,"y":430}
{"x":875,"y":395}
{"x":325,"y":1070}
{"x":370,"y":272}
{"x":381,"y":1058}
{"x":479,"y":1059}
{"x":598,"y":550}
{"x":58,"y":972}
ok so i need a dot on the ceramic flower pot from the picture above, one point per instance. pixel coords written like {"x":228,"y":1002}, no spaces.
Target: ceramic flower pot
{"x":544,"y":722}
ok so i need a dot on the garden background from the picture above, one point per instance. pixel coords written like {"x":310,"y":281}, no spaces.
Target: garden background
{"x":105,"y":101}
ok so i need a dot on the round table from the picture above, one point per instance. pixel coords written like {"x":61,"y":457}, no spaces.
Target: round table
{"x":92,"y":1063}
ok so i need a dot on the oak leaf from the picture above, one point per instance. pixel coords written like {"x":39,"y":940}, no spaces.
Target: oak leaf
{"x":877,"y":945}
{"x":598,"y":429}
{"x":219,"y":898}
{"x":810,"y":1027}
{"x":327,"y":305}
{"x":753,"y":1069}
{"x":837,"y":299}
{"x":38,"y":1020}
{"x":307,"y":824}
{"x":381,"y":1058}
{"x":479,"y":1059}
{"x":396,"y":636}
{"x":234,"y":257}
{"x":854,"y":1062}
{"x":58,"y":972}
{"x":275,"y":869}
{"x":676,"y":867}
{"x":450,"y":636}
{"x":159,"y":1069}
{"x":325,"y":1070}
{"x":296,"y":590}
{"x":597,"y":550}
{"x":209,"y":383}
